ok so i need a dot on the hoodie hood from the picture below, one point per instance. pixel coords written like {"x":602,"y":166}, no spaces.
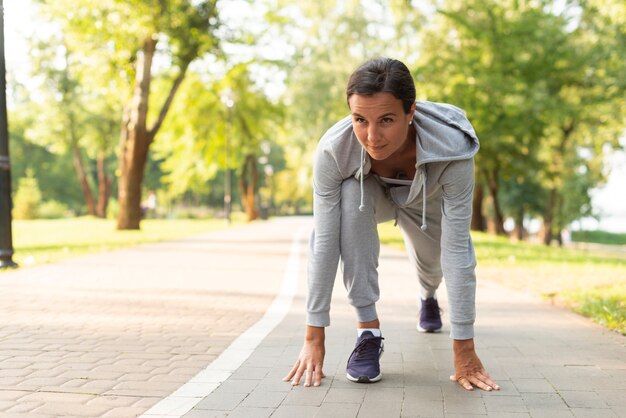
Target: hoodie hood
{"x":443,"y":134}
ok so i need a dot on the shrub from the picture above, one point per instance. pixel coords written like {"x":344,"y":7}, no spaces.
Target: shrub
{"x":27,"y":197}
{"x":53,"y":209}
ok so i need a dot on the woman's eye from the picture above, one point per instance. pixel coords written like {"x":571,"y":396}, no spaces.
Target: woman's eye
{"x":387,"y":120}
{"x":359,"y":120}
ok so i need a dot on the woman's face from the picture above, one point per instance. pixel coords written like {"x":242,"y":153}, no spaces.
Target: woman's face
{"x":380,"y":124}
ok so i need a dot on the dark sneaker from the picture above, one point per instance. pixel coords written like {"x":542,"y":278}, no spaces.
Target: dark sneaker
{"x":364,"y":362}
{"x":430,"y":316}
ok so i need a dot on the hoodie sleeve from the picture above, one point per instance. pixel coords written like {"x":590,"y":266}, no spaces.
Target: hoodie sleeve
{"x":458,"y":260}
{"x":324,"y":246}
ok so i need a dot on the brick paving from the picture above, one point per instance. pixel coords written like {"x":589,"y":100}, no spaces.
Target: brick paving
{"x":111,"y":335}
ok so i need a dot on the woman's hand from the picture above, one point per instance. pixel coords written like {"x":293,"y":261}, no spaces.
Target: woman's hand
{"x":310,"y":360}
{"x":469,"y":370}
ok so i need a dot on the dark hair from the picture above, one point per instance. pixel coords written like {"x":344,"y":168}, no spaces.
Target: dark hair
{"x":383,"y":75}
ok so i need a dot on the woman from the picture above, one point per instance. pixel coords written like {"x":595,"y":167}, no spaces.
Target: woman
{"x":392,"y":158}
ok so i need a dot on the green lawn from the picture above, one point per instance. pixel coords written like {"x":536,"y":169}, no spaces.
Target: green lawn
{"x":592,"y":283}
{"x":46,"y":241}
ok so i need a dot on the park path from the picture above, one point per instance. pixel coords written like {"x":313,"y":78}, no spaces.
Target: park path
{"x":134,"y":331}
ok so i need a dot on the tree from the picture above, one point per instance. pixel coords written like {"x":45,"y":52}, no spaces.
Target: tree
{"x":528,"y":77}
{"x":194,"y":148}
{"x":129,"y":32}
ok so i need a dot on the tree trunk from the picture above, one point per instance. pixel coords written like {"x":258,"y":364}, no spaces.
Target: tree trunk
{"x":492,"y":180}
{"x":135,"y":142}
{"x":478,"y":221}
{"x":104,"y":186}
{"x":519,"y":224}
{"x":247,"y":187}
{"x":548,"y":217}
{"x":135,"y":137}
{"x":82,"y":178}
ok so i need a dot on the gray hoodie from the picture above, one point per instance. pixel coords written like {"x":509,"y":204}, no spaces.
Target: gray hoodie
{"x":446,"y":144}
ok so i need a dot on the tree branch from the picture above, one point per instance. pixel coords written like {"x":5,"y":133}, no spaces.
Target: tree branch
{"x":167,"y":104}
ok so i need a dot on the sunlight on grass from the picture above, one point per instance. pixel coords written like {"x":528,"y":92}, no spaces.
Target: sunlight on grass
{"x":46,"y":241}
{"x":592,"y":283}
{"x":607,"y":305}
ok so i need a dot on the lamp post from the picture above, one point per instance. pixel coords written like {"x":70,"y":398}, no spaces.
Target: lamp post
{"x":229,"y":103}
{"x":6,"y":238}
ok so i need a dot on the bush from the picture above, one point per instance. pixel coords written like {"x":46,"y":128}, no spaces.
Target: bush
{"x":27,"y":197}
{"x":53,"y":209}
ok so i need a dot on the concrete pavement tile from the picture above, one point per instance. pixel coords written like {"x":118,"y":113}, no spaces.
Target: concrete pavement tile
{"x":67,"y":408}
{"x":380,"y":409}
{"x":124,"y":412}
{"x":344,"y":395}
{"x":391,"y":380}
{"x":544,"y":401}
{"x":311,"y":396}
{"x":533,"y":385}
{"x":290,"y":411}
{"x":24,"y":407}
{"x":13,"y":395}
{"x":114,"y":401}
{"x":45,"y":397}
{"x":338,"y":410}
{"x":593,"y":413}
{"x":238,"y":386}
{"x":221,"y":401}
{"x":582,"y":399}
{"x":244,"y":412}
{"x":17,"y":372}
{"x":430,"y":379}
{"x":459,"y":405}
{"x":197,"y":413}
{"x":549,"y":413}
{"x":251,"y":373}
{"x":152,"y":393}
{"x":263,"y":399}
{"x":422,"y":408}
{"x":504,"y":404}
{"x":377,"y":393}
{"x":612,"y":397}
{"x":422,"y":393}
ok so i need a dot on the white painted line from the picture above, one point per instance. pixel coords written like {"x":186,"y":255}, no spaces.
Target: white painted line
{"x":201,"y":385}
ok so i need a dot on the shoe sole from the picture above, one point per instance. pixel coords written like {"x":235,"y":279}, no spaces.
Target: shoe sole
{"x":429,"y":331}
{"x":364,"y":379}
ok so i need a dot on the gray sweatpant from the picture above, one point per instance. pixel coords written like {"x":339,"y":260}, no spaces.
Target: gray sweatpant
{"x":360,"y":245}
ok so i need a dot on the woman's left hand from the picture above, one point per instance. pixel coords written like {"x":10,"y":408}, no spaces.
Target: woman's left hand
{"x":469,"y":370}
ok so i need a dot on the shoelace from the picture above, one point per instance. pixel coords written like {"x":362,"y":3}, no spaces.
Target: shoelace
{"x":368,"y":348}
{"x":432,"y":309}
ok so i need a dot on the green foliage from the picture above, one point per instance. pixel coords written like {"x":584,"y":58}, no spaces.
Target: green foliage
{"x":27,"y":198}
{"x":52,"y":209}
{"x":599,"y":237}
{"x":194,"y":139}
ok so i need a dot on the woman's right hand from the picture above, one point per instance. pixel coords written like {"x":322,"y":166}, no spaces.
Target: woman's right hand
{"x":311,"y":359}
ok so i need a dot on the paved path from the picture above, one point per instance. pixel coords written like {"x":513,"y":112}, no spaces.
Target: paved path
{"x":113,"y":335}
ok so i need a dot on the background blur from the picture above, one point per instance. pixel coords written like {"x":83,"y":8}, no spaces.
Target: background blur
{"x":134,"y":109}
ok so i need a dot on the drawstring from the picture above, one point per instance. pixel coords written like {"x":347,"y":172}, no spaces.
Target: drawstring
{"x":424,"y":226}
{"x":362,"y":206}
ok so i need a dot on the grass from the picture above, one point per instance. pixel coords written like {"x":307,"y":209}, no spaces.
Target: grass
{"x":599,"y":237}
{"x":591,"y":282}
{"x":47,"y":241}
